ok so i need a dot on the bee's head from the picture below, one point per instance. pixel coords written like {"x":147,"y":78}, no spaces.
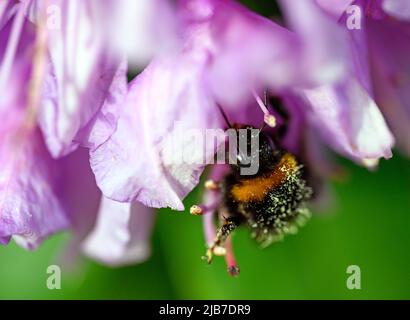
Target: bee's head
{"x":256,"y":150}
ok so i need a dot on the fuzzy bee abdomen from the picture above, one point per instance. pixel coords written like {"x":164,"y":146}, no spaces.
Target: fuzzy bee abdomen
{"x":272,"y":205}
{"x":256,"y":188}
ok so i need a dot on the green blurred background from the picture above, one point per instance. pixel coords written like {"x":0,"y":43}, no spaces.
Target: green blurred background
{"x":368,"y":225}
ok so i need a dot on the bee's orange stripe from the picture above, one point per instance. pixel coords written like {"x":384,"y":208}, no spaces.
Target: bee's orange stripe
{"x":256,"y":189}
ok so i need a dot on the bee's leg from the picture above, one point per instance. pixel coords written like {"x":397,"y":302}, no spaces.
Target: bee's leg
{"x":216,"y":248}
{"x":232,"y":266}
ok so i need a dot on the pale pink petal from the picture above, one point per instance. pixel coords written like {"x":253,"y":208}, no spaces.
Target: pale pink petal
{"x":7,"y":10}
{"x":78,"y":192}
{"x":335,"y":7}
{"x":397,"y":8}
{"x":104,"y":123}
{"x":29,"y":207}
{"x":267,"y":59}
{"x":143,"y":160}
{"x":5,"y":240}
{"x":64,"y":125}
{"x":121,"y":235}
{"x":324,"y":51}
{"x":139,"y":29}
{"x":79,"y":76}
{"x":350,"y":121}
{"x":389,"y":47}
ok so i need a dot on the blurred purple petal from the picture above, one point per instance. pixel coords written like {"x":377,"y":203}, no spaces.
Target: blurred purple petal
{"x":38,"y":193}
{"x":79,"y":76}
{"x":343,"y":110}
{"x":122,"y":233}
{"x":350,"y":121}
{"x":78,"y":192}
{"x":334,"y":7}
{"x":104,"y":123}
{"x":134,"y":165}
{"x":29,"y":207}
{"x":397,"y":8}
{"x":297,"y":126}
{"x":389,"y":47}
{"x":139,"y":29}
{"x":64,"y":123}
{"x":324,"y":51}
{"x":267,"y":59}
{"x":7,"y":10}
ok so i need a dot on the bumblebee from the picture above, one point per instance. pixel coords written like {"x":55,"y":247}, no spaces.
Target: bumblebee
{"x":270,"y":203}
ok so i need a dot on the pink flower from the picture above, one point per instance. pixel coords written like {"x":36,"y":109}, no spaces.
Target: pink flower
{"x":41,"y":195}
{"x":185,"y":87}
{"x":380,"y":47}
{"x":312,"y":70}
{"x":64,"y":69}
{"x":212,"y":68}
{"x":343,"y":111}
{"x":27,"y":183}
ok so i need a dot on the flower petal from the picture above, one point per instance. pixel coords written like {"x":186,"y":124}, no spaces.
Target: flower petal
{"x":350,"y":121}
{"x":121,"y":235}
{"x":268,"y":59}
{"x":5,"y":240}
{"x":104,"y":123}
{"x":78,"y":192}
{"x":334,"y":7}
{"x":137,"y":162}
{"x":29,"y":208}
{"x":397,"y":8}
{"x":324,"y":51}
{"x":389,"y":47}
{"x":138,"y":29}
{"x":7,"y":10}
{"x":78,"y":78}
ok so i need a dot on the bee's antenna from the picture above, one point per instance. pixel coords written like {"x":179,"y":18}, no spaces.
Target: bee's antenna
{"x":224,"y":116}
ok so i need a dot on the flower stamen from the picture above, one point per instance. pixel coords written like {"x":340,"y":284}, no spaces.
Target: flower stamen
{"x":269,"y":118}
{"x":197,"y":210}
{"x":211,"y":185}
{"x":201,"y":209}
{"x":219,"y":251}
{"x":370,"y":163}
